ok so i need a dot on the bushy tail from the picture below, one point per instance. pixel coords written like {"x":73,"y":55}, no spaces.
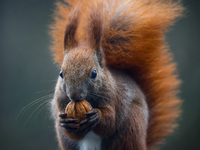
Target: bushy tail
{"x":132,"y":38}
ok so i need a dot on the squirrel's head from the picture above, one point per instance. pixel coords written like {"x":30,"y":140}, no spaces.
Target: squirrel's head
{"x":82,"y":72}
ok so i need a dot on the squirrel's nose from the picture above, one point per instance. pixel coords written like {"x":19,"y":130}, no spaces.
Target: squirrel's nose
{"x":77,"y":96}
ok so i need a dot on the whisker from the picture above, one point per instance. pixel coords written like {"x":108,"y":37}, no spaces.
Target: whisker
{"x":32,"y":104}
{"x":35,"y":111}
{"x":41,"y":109}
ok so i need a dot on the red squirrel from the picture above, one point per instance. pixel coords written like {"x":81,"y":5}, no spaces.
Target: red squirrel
{"x":113,"y":54}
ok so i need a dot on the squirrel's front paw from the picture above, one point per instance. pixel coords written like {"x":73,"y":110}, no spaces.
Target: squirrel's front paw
{"x":83,"y":126}
{"x":91,"y":121}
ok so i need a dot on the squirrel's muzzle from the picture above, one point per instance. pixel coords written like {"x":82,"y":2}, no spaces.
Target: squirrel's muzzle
{"x":77,"y":96}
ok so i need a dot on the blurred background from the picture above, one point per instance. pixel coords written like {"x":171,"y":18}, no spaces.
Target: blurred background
{"x":28,"y":76}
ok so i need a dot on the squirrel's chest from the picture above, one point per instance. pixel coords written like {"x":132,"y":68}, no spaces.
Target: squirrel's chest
{"x":90,"y":142}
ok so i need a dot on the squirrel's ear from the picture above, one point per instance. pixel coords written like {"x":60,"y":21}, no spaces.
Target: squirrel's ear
{"x":69,"y":38}
{"x":94,"y":28}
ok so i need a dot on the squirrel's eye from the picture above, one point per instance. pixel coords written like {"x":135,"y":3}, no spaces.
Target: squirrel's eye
{"x":94,"y":74}
{"x":61,"y":74}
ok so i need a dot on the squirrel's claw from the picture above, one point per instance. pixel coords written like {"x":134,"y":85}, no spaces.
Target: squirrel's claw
{"x":94,"y":118}
{"x":62,"y":115}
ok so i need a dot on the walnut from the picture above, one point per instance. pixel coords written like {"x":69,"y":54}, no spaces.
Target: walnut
{"x":77,"y":110}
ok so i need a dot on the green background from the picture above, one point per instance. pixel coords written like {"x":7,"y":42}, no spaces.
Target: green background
{"x":27,"y":73}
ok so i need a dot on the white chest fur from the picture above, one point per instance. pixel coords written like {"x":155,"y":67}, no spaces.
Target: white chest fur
{"x":90,"y":142}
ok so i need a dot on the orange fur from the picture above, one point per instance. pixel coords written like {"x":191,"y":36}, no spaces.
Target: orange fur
{"x":132,"y":39}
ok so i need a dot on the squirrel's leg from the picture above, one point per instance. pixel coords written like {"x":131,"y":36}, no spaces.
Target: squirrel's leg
{"x":137,"y":121}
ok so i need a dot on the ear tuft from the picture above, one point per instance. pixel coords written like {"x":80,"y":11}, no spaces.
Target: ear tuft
{"x":70,"y":32}
{"x":94,"y":27}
